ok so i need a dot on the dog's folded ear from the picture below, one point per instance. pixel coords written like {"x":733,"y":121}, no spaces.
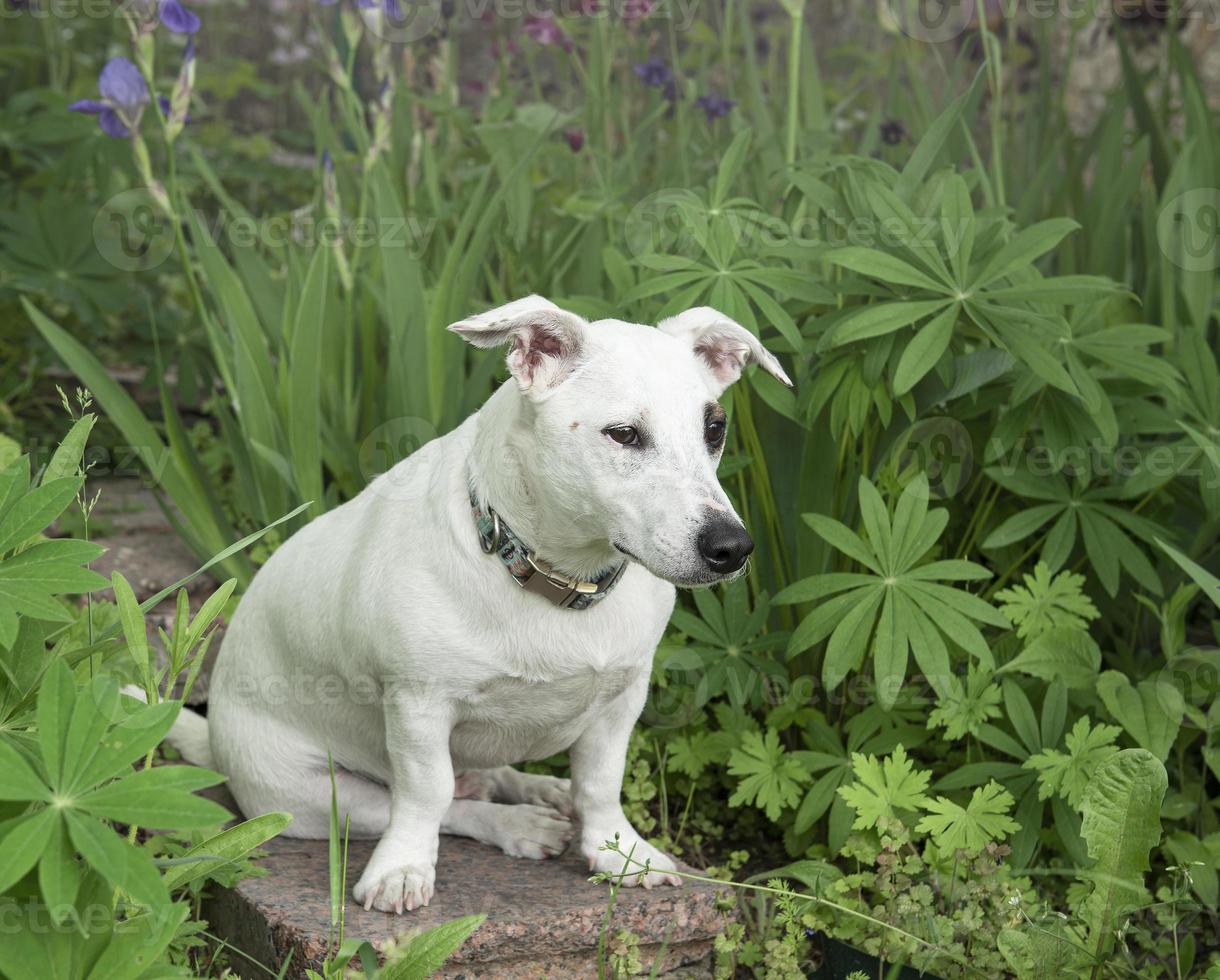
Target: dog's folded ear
{"x":544,"y":341}
{"x":723,"y":345}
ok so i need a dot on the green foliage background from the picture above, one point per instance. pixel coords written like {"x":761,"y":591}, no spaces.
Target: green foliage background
{"x":980,"y":621}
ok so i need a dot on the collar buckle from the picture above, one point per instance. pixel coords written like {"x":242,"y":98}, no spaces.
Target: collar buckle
{"x":533,"y":574}
{"x":559,"y":589}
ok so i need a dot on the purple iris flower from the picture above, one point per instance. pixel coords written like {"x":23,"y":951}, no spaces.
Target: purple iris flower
{"x":177,"y":18}
{"x":653,"y":72}
{"x":124,"y":96}
{"x":716,"y":106}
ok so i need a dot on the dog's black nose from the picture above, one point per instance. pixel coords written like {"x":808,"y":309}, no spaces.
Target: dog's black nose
{"x":725,"y":545}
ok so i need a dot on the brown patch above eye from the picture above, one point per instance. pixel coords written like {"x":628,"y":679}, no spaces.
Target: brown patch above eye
{"x":574,"y":425}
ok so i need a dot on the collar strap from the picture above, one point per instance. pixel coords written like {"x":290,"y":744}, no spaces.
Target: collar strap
{"x":531,"y":572}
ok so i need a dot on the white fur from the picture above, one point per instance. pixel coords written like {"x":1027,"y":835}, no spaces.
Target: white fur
{"x":381,"y":635}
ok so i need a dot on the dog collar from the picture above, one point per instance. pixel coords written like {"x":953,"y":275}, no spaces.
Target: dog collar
{"x":531,"y":572}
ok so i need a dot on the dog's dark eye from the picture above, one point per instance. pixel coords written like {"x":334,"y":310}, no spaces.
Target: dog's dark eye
{"x":713,"y":433}
{"x":624,"y":435}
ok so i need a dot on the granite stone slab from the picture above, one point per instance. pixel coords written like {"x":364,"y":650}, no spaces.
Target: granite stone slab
{"x":544,"y":917}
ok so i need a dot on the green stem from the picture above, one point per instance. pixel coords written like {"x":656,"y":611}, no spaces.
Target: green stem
{"x":794,"y":79}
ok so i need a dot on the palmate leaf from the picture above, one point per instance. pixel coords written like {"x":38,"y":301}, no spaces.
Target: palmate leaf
{"x":30,"y":578}
{"x":771,"y":778}
{"x":1068,"y":773}
{"x":1046,"y":602}
{"x":964,"y":708}
{"x":884,"y":789}
{"x":86,"y":736}
{"x":1108,"y":533}
{"x":972,"y":827}
{"x":903,"y":608}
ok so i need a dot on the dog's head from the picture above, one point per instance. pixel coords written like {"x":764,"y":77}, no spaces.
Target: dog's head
{"x":624,"y":430}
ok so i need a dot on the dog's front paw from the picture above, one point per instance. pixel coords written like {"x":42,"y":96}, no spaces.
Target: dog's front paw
{"x":630,"y":873}
{"x":533,"y":831}
{"x":395,"y":889}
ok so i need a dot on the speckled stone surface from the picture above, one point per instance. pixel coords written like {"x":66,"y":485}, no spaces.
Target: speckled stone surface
{"x":544,"y":917}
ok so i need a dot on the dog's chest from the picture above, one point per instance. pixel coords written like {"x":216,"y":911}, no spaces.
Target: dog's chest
{"x":512,"y":719}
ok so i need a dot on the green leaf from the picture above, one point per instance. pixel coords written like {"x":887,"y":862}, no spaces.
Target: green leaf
{"x":844,"y":539}
{"x":65,"y":462}
{"x":119,"y":862}
{"x":424,"y":954}
{"x":925,"y":350}
{"x":58,"y":872}
{"x":304,"y":384}
{"x":23,"y":845}
{"x":1063,"y":653}
{"x":964,"y":708}
{"x":928,"y":148}
{"x":53,"y":567}
{"x":158,"y":797}
{"x":818,"y":800}
{"x":1121,"y":809}
{"x":769,"y":777}
{"x":97,"y":707}
{"x":730,"y":166}
{"x":223,"y":848}
{"x":881,"y":319}
{"x":1200,"y":575}
{"x":972,"y":827}
{"x":37,"y":509}
{"x":881,"y":265}
{"x":18,"y":781}
{"x":884,"y":790}
{"x":55,"y":706}
{"x":131,"y":739}
{"x":957,"y":225}
{"x":1060,"y":290}
{"x":1069,"y":774}
{"x":1151,"y":712}
{"x":848,"y":642}
{"x":134,"y":630}
{"x":877,"y":523}
{"x":889,"y":653}
{"x":1025,"y":246}
{"x":1041,"y":951}
{"x":1047,"y":602}
{"x":138,"y":948}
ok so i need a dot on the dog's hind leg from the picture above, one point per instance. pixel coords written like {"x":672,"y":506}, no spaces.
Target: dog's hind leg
{"x":519,"y":831}
{"x":506,"y":785}
{"x":307,"y":797}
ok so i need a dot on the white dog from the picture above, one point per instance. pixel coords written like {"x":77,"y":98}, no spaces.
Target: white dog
{"x":494,"y":598}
